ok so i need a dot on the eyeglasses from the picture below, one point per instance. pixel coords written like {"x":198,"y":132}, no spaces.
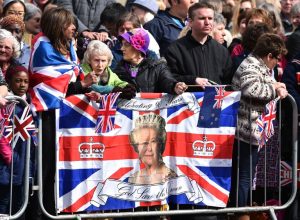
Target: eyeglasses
{"x":7,"y":48}
{"x":146,"y":144}
{"x":13,"y":12}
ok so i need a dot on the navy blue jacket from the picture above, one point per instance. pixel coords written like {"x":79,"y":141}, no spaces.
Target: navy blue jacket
{"x":293,"y":44}
{"x":164,"y":29}
{"x":292,"y":79}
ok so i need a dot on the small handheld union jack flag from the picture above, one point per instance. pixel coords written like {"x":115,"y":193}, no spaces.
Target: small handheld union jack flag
{"x":5,"y":114}
{"x":265,"y":123}
{"x":22,"y":127}
{"x":107,"y":112}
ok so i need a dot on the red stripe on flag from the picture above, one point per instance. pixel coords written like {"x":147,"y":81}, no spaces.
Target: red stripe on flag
{"x":35,"y":101}
{"x":182,"y":116}
{"x":204,"y":183}
{"x":178,"y":144}
{"x":150,"y":203}
{"x":121,"y":172}
{"x":80,"y":202}
{"x":69,"y":150}
{"x":181,"y":145}
{"x":37,"y":78}
{"x":150,"y":95}
{"x":60,"y":83}
{"x":80,"y":103}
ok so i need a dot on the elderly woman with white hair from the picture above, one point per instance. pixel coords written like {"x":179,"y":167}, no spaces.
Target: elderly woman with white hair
{"x":9,"y":50}
{"x":97,"y":59}
{"x":219,"y":32}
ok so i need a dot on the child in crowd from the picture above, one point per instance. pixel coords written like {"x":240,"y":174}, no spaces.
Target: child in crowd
{"x":98,"y":58}
{"x":18,"y":81}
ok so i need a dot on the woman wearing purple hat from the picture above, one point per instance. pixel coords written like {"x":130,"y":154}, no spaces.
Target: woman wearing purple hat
{"x":146,"y":74}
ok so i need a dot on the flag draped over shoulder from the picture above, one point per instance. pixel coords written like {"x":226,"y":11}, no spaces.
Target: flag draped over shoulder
{"x":98,"y":171}
{"x":50,"y":74}
{"x":265,"y":123}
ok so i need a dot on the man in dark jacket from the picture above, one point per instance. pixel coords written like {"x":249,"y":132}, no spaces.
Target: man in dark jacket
{"x":196,"y":58}
{"x":166,"y":25}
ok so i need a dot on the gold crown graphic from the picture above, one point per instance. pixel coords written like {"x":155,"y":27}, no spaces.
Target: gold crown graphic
{"x":91,"y":149}
{"x":151,"y":120}
{"x":204,"y":147}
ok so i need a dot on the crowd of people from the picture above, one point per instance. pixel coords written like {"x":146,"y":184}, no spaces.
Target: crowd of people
{"x":171,"y":46}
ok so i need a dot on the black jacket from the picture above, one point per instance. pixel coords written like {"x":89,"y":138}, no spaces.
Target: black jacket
{"x":164,"y":29}
{"x":293,"y":44}
{"x":189,"y":59}
{"x":152,"y":76}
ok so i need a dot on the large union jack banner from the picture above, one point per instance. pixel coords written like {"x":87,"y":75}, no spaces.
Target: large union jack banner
{"x":104,"y":171}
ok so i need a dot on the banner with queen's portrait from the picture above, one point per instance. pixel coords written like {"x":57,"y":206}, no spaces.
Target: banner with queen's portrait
{"x":152,"y":150}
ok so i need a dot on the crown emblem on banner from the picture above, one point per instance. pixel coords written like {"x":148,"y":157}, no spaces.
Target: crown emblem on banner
{"x":204,"y":147}
{"x":91,"y":149}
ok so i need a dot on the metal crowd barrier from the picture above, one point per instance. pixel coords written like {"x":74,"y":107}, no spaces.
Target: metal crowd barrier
{"x":20,"y":212}
{"x":192,"y":211}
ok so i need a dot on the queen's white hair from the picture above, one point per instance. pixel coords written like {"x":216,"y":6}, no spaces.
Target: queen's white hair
{"x":4,"y":34}
{"x":97,"y":47}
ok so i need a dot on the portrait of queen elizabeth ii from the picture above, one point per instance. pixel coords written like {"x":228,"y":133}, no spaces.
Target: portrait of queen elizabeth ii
{"x":148,"y":139}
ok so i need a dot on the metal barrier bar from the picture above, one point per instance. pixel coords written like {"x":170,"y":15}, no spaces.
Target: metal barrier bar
{"x":17,"y":99}
{"x":210,"y":211}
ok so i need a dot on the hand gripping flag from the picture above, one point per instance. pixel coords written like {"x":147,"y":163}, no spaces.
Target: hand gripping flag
{"x":106,"y":172}
{"x":265,"y":123}
{"x":107,"y":112}
{"x":50,"y":74}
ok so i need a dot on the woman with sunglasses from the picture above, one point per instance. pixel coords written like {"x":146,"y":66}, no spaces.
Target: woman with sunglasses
{"x":258,"y":87}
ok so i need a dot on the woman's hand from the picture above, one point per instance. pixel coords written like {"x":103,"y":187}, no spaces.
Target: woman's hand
{"x":89,"y":79}
{"x":202,"y":82}
{"x":3,"y":102}
{"x":280,"y":89}
{"x":93,"y":96}
{"x":180,"y":87}
{"x":282,"y":92}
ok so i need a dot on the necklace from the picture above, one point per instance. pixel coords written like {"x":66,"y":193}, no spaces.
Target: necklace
{"x":133,"y":70}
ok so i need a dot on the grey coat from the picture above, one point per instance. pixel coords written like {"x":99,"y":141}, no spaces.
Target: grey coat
{"x":87,"y":11}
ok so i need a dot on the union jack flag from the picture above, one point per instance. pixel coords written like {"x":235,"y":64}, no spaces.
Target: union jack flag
{"x":87,"y":160}
{"x":265,"y":122}
{"x":5,"y":114}
{"x":50,"y":74}
{"x":220,"y":91}
{"x":107,"y":112}
{"x":20,"y":127}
